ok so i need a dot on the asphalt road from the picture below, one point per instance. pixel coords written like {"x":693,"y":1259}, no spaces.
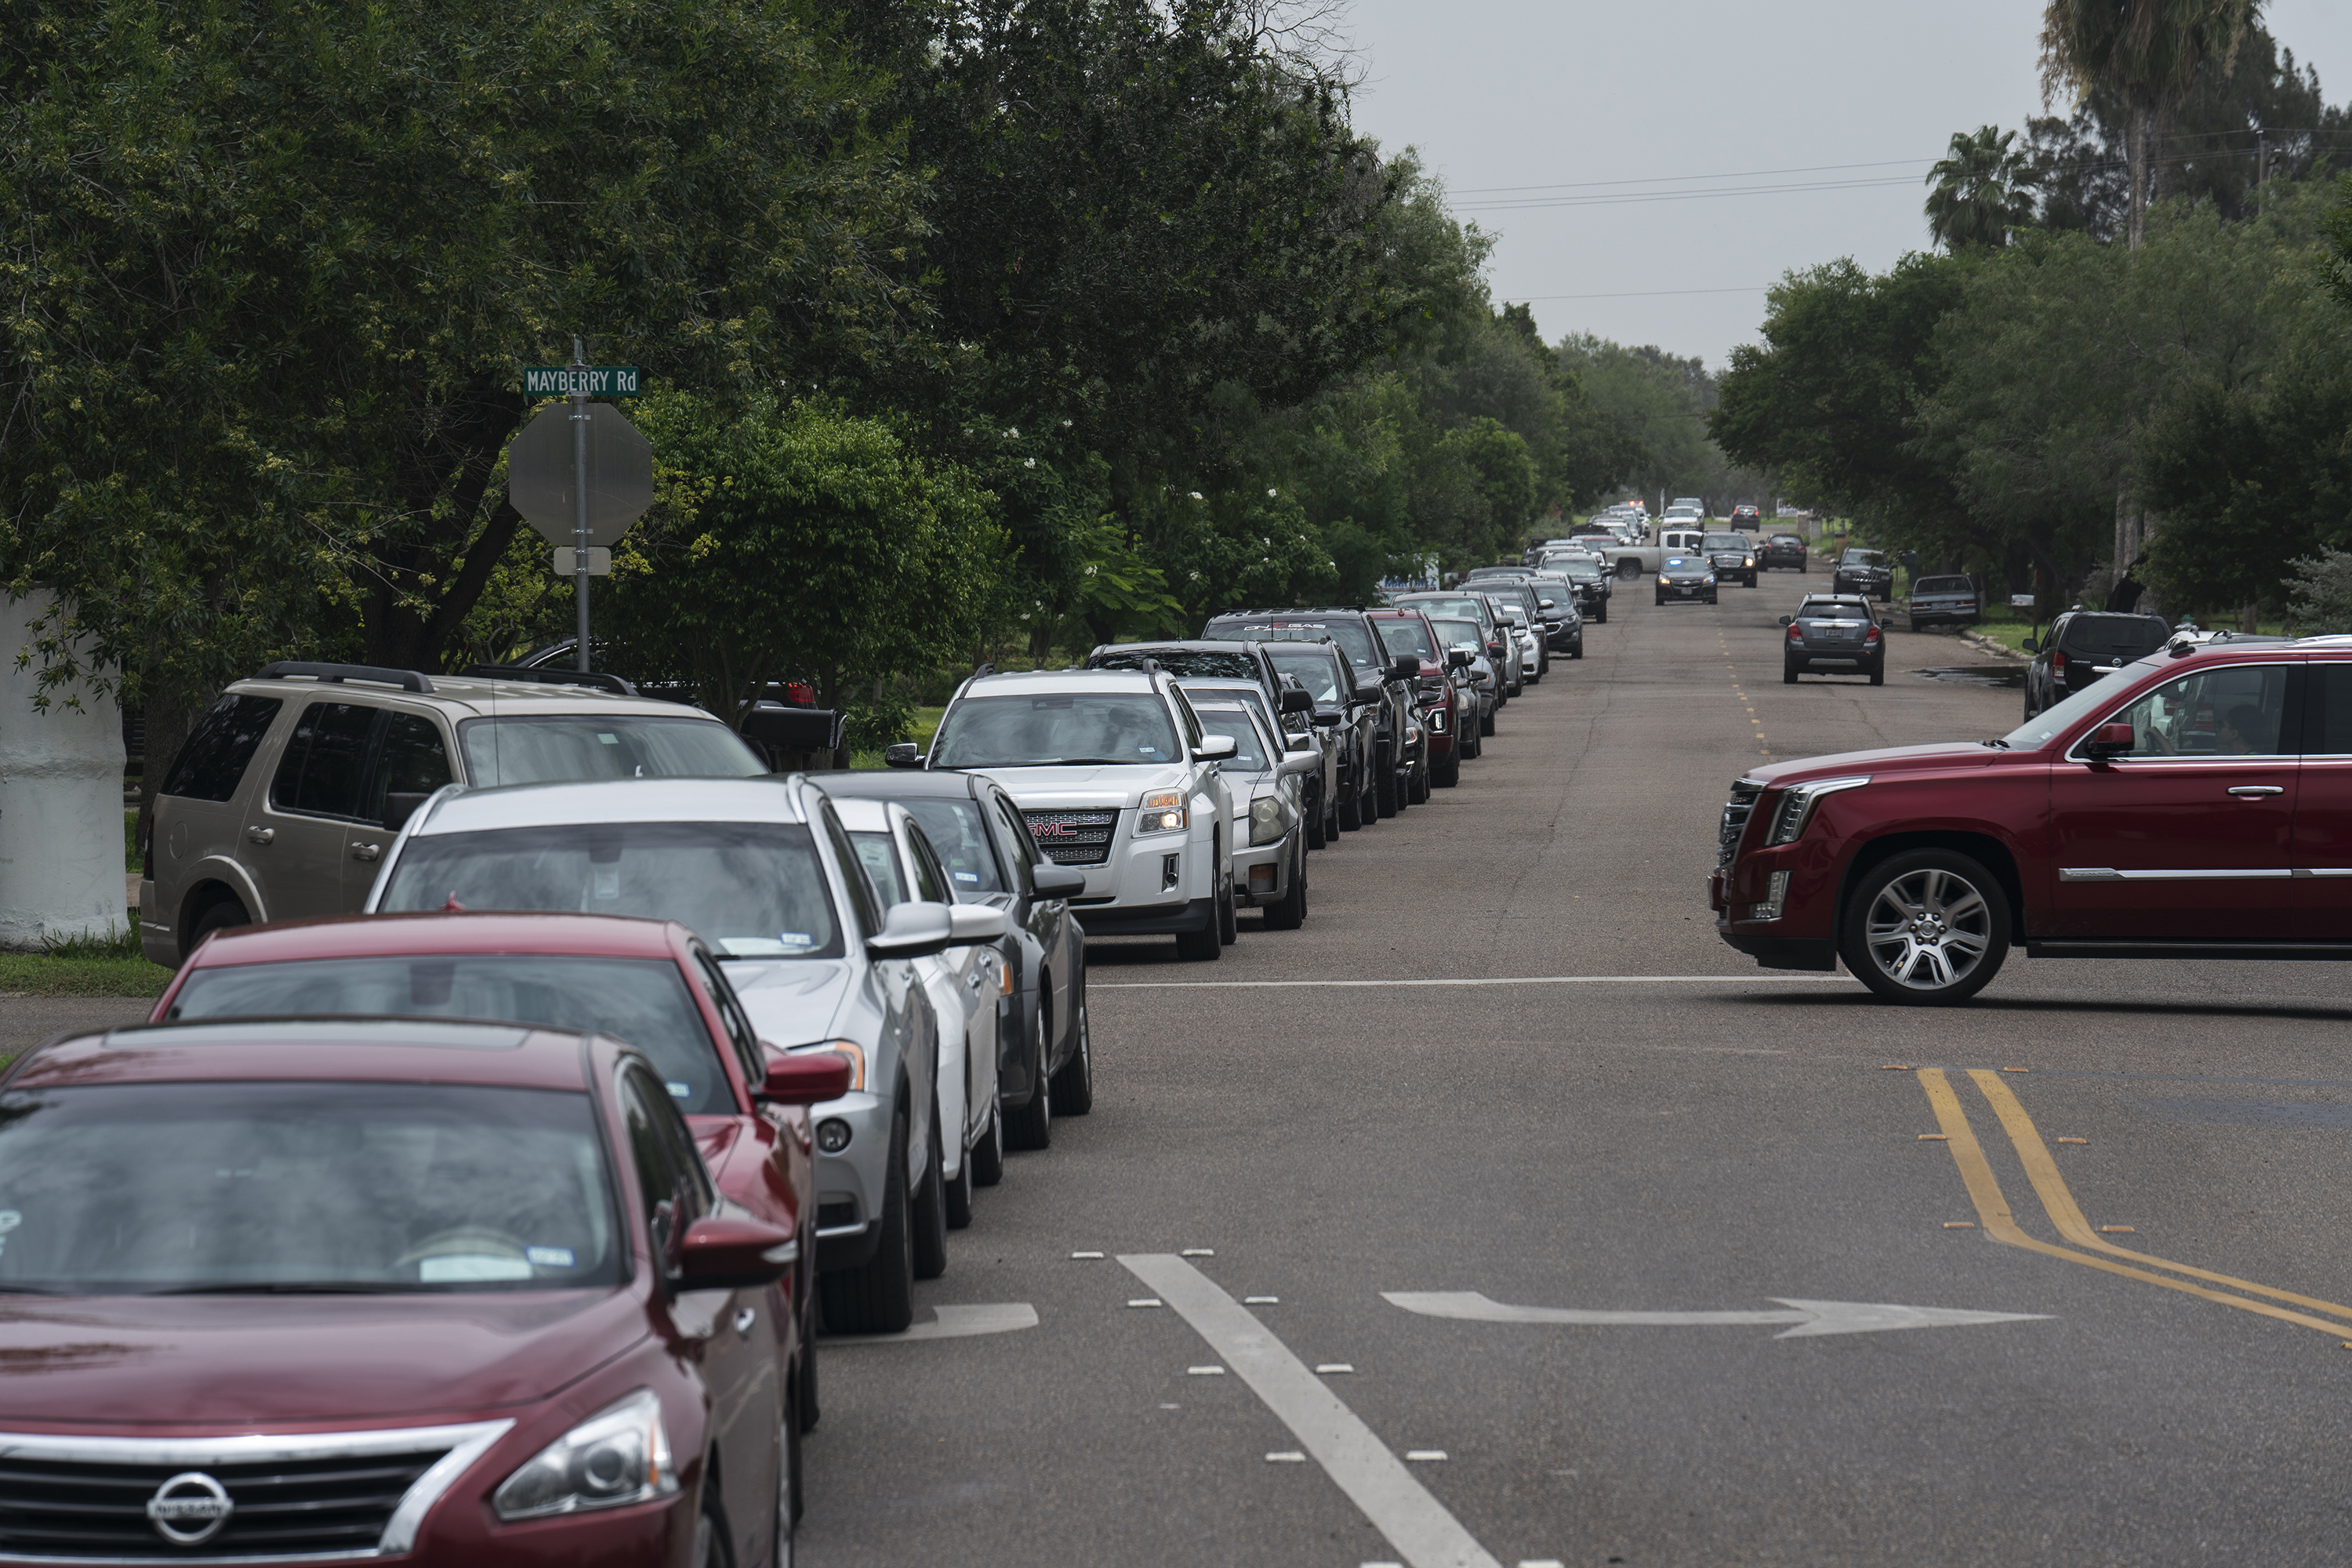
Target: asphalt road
{"x":1507,"y":1056}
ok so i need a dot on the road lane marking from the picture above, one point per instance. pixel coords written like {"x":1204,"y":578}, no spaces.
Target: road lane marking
{"x":954,"y":1323}
{"x":1352,"y":1454}
{"x":1808,"y":1320}
{"x":2042,"y":1170}
{"x":1514,"y":980}
{"x":2001,"y":1225}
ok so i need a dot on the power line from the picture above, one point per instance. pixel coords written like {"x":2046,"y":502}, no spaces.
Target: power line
{"x":1670,"y":179}
{"x":1638,"y":197}
{"x":1648,"y":293}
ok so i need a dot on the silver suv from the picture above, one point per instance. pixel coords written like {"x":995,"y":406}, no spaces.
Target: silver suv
{"x":1115,"y":778}
{"x":290,"y":789}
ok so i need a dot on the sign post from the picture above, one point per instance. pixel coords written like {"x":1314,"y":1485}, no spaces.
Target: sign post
{"x":586,"y":488}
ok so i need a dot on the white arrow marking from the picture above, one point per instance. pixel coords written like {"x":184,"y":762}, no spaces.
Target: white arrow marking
{"x":1805,"y":1317}
{"x":954,"y":1323}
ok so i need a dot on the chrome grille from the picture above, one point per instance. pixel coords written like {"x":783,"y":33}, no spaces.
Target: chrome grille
{"x":1073,"y":837}
{"x":307,"y":1508}
{"x":1735,"y":819}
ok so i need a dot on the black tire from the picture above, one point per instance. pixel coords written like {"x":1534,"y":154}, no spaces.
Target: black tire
{"x":1576,"y":648}
{"x":1485,"y":728}
{"x":1289,"y":911}
{"x":958,"y":1190}
{"x":1315,"y":838}
{"x":1878,"y":674}
{"x":1074,"y":1085}
{"x":987,"y":1156}
{"x":1351,"y":806}
{"x":1201,"y":946}
{"x":931,"y":1209}
{"x":1601,"y":616}
{"x":1418,"y":786}
{"x":1660,"y":600}
{"x":1447,"y":773}
{"x":1787,"y":672}
{"x":1713,"y":598}
{"x":1952,"y":900}
{"x":1806,"y":567}
{"x":1031,"y":1126}
{"x":1229,"y":925}
{"x":222,"y":916}
{"x":879,"y":1297}
{"x":1384,"y":788}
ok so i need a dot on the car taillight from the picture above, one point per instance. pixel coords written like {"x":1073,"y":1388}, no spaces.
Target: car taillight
{"x":1796,"y":632}
{"x":1871,"y":635}
{"x":2057,"y":664}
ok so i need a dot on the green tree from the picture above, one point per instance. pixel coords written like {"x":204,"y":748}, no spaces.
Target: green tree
{"x":1979,"y":190}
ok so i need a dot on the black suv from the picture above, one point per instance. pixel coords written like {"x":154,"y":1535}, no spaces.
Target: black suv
{"x":1833,"y":634}
{"x":1747,"y":519}
{"x":1400,"y":751}
{"x":2082,"y":646}
{"x":1864,"y":572}
{"x":1782,"y":549}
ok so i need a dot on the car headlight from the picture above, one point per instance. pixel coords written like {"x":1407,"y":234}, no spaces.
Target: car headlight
{"x":849,"y":1051}
{"x":1708,"y":579}
{"x":617,"y":1456}
{"x":1266,"y":825}
{"x":1797,"y":805}
{"x":1163,"y":813}
{"x":1749,"y":561}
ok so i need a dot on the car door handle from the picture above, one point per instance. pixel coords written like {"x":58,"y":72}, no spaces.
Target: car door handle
{"x":366,"y":851}
{"x":2244,"y":792}
{"x":261,"y":834}
{"x":743,"y":1322}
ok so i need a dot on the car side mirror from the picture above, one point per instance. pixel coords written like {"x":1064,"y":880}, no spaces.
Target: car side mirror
{"x":721,"y":1252}
{"x":902,"y":755}
{"x":2110,"y":741}
{"x":1297,"y":699}
{"x":1545,"y":605}
{"x":399,"y":805}
{"x":914,"y":930}
{"x":1328,"y":721}
{"x":1459,"y":658}
{"x":811,"y":1078}
{"x":2031,"y":645}
{"x":1788,"y":620}
{"x":1057,"y":881}
{"x":970,"y":924}
{"x":1404,"y":667}
{"x":1309,"y":762}
{"x":1215,"y":748}
{"x":1368,"y":690}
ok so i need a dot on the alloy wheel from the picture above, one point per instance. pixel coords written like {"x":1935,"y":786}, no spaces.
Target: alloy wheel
{"x":1928,"y":930}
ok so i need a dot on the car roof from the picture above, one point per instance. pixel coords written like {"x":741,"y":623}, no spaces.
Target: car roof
{"x":1188,"y":645}
{"x":462,"y":809}
{"x":891,"y":784}
{"x":474,"y":695}
{"x":1056,"y":680}
{"x":395,"y":1050}
{"x":1839,"y":601}
{"x":453,"y":932}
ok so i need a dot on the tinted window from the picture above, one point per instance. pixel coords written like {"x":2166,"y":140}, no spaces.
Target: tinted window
{"x":750,"y":889}
{"x":669,"y":1174}
{"x":740,"y":1033}
{"x":1249,"y":750}
{"x":1726,"y":541}
{"x":1020,"y":849}
{"x":2121,"y":637}
{"x":326,"y":759}
{"x":412,"y":761}
{"x":1043,"y":728}
{"x":2327,"y":710}
{"x":641,"y":1000}
{"x":1454,"y":634}
{"x":1217,"y":664}
{"x":2229,"y":710}
{"x":957,"y":832}
{"x":1862,"y":558}
{"x":129,"y":1188}
{"x":213,"y":760}
{"x":1943,"y":586}
{"x":1407,"y":636}
{"x":931,"y":884}
{"x":1354,"y":639}
{"x":542,"y":748}
{"x":1316,"y":670}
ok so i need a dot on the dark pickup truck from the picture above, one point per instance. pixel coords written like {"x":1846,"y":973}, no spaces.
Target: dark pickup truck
{"x":1864,"y":572}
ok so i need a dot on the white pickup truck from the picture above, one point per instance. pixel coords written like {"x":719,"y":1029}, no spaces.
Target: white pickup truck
{"x":1630,"y":560}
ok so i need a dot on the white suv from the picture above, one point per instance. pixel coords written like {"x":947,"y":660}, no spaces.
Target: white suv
{"x":1117,"y":779}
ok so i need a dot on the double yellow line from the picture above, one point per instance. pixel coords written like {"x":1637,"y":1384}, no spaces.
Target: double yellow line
{"x":2001,"y":1225}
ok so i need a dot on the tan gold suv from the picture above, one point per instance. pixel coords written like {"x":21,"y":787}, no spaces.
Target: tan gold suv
{"x":291,"y":789}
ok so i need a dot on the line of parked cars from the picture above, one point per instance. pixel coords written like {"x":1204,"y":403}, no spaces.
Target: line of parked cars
{"x":541,"y":1073}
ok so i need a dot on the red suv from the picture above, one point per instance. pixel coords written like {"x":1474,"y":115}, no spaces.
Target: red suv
{"x":1442,"y":699}
{"x":2195,"y":803}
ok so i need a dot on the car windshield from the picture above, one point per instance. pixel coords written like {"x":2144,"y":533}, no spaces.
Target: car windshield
{"x":539,"y":748}
{"x":750,"y":889}
{"x":1943,"y":586}
{"x":1407,"y":637}
{"x":1674,"y":563}
{"x":1788,"y":539}
{"x":2124,"y":637}
{"x":960,"y":839}
{"x":129,"y":1189}
{"x":1216,"y":664}
{"x":1316,"y":670}
{"x":1862,"y":558}
{"x":1726,"y":541}
{"x":2048,"y":724}
{"x":1467,"y":608}
{"x":1354,"y":639}
{"x":1232,"y":719}
{"x":1458,"y":634}
{"x":641,"y":1000}
{"x":1043,"y":728}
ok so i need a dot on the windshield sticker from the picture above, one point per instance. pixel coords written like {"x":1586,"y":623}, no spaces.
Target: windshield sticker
{"x":550,"y":1257}
{"x":610,"y":740}
{"x":967,"y":876}
{"x":470,"y":1268}
{"x":606,"y":880}
{"x":678,"y":1091}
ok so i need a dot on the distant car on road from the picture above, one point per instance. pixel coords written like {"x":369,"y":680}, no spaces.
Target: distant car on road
{"x":1782,"y":549}
{"x":1733,"y":557}
{"x":1749,"y":518}
{"x":1685,"y":577}
{"x":1833,"y":632}
{"x":2085,"y":645}
{"x":1949,"y":600}
{"x":1864,"y":572}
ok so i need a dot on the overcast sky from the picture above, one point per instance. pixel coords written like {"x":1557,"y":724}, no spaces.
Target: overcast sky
{"x":1666,"y":95}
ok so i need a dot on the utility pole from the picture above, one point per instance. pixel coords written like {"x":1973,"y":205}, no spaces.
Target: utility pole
{"x":2261,"y":172}
{"x":579,"y":417}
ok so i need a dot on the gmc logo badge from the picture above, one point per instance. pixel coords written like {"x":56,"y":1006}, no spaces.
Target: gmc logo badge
{"x":1050,"y":830}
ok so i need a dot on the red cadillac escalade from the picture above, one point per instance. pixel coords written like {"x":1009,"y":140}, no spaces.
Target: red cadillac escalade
{"x":2196,"y":804}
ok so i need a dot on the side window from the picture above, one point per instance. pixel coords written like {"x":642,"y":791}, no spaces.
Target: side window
{"x":740,"y":1033}
{"x":412,"y":761}
{"x":1020,"y":849}
{"x":1186,"y":720}
{"x":930,"y":877}
{"x":879,"y":856}
{"x":852,"y":872}
{"x":2229,"y":710}
{"x":670,"y":1184}
{"x":213,"y":762}
{"x":326,"y":759}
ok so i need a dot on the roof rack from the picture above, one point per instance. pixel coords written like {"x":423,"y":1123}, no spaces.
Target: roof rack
{"x":600,"y":680}
{"x":406,"y":680}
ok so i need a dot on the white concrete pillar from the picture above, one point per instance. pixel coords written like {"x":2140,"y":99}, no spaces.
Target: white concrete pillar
{"x":60,"y":800}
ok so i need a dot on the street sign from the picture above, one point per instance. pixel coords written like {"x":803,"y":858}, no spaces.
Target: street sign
{"x":567,"y":562}
{"x":542,"y":463}
{"x":581,"y":381}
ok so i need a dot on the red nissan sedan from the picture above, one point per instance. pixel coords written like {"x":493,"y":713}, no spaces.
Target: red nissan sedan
{"x":295,"y":1290}
{"x":649,"y":982}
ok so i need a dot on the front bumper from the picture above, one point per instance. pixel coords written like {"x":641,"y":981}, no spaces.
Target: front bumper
{"x":850,"y":1184}
{"x":1262,"y":872}
{"x":1161,"y":919}
{"x":1667,"y":589}
{"x":1800,"y":937}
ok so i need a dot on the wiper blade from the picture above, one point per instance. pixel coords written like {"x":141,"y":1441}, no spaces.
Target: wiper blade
{"x":2002,"y":744}
{"x":1079,"y":763}
{"x":299,"y":1288}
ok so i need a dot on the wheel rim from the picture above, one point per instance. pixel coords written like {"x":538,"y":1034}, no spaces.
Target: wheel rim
{"x":1928,"y":930}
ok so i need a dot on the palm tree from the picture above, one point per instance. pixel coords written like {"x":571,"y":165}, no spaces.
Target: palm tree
{"x":1980,"y":190}
{"x":2147,"y":53}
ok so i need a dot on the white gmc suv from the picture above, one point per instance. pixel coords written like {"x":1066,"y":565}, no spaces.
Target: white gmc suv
{"x":1115,"y":779}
